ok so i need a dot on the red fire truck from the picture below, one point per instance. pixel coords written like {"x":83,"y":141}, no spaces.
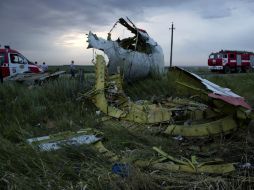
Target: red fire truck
{"x":12,"y":62}
{"x":231,"y":61}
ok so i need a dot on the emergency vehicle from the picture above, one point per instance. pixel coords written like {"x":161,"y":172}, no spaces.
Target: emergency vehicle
{"x":231,"y":61}
{"x":12,"y":62}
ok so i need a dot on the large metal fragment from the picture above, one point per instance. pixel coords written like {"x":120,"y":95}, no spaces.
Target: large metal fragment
{"x":122,"y":107}
{"x":171,"y":164}
{"x":220,"y":126}
{"x":226,"y":106}
{"x":223,"y":100}
{"x":136,"y":56}
{"x":69,"y":138}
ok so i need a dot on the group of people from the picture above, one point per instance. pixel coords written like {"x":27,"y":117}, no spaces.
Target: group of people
{"x":43,"y":66}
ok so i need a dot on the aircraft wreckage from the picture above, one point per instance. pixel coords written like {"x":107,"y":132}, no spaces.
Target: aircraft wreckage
{"x":209,"y":110}
{"x":136,"y":56}
{"x":219,"y":110}
{"x":203,"y":109}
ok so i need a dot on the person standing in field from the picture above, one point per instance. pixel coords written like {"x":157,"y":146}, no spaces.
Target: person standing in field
{"x":44,"y":67}
{"x":1,"y":69}
{"x":72,"y":69}
{"x":1,"y":75}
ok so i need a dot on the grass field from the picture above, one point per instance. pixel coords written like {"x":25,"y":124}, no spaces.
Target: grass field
{"x":85,"y":68}
{"x":42,"y":110}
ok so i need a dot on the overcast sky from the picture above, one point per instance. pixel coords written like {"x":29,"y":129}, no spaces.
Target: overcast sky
{"x":54,"y":30}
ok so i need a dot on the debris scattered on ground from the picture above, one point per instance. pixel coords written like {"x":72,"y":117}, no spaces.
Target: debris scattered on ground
{"x":56,"y":141}
{"x":34,"y":78}
{"x":246,"y":165}
{"x":186,"y":117}
{"x":191,"y":165}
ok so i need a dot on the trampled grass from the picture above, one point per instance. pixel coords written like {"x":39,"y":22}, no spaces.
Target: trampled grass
{"x":29,"y":112}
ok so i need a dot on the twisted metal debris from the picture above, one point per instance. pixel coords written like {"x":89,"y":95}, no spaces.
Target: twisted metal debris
{"x":223,"y":112}
{"x":136,"y":56}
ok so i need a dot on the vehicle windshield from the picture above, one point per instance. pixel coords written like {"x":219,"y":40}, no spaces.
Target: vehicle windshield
{"x":211,"y":56}
{"x":16,"y":58}
{"x":215,"y":56}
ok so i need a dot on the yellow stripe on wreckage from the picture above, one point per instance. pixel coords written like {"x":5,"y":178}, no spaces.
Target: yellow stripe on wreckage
{"x":127,"y":110}
{"x":151,"y":113}
{"x":172,"y":164}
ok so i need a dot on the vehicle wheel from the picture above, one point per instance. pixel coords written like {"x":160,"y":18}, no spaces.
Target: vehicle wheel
{"x":227,"y":69}
{"x":238,"y":69}
{"x":247,"y":69}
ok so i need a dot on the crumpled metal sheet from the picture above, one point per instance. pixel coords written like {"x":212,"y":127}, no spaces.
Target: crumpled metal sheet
{"x":132,"y":63}
{"x":212,"y":90}
{"x":216,"y":89}
{"x":236,"y":101}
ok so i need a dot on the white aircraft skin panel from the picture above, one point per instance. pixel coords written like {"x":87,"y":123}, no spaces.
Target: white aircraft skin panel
{"x":214,"y":87}
{"x":133,"y":64}
{"x":49,"y":146}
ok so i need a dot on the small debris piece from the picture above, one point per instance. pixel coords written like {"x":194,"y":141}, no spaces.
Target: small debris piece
{"x":246,"y":165}
{"x":111,"y":156}
{"x":178,"y":138}
{"x":121,"y":169}
{"x":56,"y":141}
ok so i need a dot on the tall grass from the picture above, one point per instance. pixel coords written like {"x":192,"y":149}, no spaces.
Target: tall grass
{"x":28,"y":112}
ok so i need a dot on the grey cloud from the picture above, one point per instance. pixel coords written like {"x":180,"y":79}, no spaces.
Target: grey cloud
{"x":219,"y":13}
{"x":61,"y":14}
{"x":212,"y":9}
{"x":35,"y":24}
{"x":35,"y":21}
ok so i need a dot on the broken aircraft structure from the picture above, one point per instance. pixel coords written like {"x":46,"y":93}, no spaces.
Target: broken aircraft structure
{"x":204,"y":109}
{"x":211,"y":110}
{"x":218,"y":111}
{"x":136,"y":56}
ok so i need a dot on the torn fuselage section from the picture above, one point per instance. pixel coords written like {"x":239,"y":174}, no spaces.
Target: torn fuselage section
{"x":136,"y":56}
{"x":180,"y":116}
